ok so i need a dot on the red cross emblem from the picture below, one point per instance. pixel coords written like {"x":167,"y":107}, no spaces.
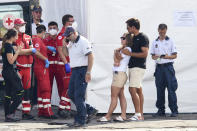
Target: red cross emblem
{"x":8,"y":21}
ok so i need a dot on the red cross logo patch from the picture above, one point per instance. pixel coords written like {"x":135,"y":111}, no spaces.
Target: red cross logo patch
{"x":8,"y":21}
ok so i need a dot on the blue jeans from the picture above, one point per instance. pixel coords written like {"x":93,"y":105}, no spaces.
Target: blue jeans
{"x":165,"y":77}
{"x":77,"y":91}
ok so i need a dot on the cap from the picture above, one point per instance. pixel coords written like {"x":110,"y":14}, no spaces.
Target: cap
{"x":37,"y":8}
{"x":68,"y":31}
{"x":19,"y":21}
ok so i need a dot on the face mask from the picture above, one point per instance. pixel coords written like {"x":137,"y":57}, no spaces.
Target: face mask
{"x":74,"y":25}
{"x":53,"y":32}
{"x":22,"y":29}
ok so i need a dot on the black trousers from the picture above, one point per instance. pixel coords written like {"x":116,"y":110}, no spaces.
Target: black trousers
{"x":13,"y":91}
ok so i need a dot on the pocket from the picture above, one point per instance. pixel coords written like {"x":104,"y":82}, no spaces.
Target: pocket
{"x":174,"y":80}
{"x":155,"y":73}
{"x":171,"y":69}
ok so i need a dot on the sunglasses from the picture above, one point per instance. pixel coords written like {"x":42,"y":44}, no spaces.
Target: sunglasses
{"x":122,"y":38}
{"x":69,"y":35}
{"x":72,"y":21}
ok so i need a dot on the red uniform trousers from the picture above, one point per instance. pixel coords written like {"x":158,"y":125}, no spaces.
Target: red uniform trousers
{"x":62,"y":80}
{"x":44,"y":91}
{"x":25,"y":73}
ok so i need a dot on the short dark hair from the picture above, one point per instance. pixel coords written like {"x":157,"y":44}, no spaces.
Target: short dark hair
{"x":162,"y":26}
{"x":40,"y":28}
{"x":52,"y":23}
{"x":65,"y":18}
{"x":133,"y":22}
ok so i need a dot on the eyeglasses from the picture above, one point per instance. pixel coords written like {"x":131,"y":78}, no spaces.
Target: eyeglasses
{"x":122,"y":38}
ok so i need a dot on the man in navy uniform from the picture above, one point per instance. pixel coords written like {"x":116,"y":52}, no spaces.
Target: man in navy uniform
{"x":164,"y":52}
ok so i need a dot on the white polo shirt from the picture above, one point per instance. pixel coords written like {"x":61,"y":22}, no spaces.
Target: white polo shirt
{"x":78,"y":52}
{"x":123,"y":63}
{"x":33,"y":26}
{"x":163,"y":47}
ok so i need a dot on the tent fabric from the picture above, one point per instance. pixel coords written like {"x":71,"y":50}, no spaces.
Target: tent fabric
{"x":103,"y":22}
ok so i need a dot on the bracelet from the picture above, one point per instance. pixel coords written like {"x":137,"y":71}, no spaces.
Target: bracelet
{"x":88,"y":72}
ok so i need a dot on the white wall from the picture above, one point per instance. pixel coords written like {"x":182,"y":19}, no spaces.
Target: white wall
{"x":106,"y":23}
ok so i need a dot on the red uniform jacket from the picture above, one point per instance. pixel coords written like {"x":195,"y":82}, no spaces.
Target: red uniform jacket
{"x":40,"y":46}
{"x":59,"y":40}
{"x":25,"y":41}
{"x":51,"y":42}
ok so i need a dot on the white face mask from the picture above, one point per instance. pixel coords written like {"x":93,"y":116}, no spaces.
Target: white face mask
{"x":53,"y":32}
{"x":74,"y":25}
{"x":22,"y":29}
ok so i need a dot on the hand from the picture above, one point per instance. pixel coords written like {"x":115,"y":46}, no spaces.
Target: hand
{"x":33,"y":50}
{"x":126,"y":52}
{"x":51,"y":48}
{"x":46,"y":63}
{"x":166,"y":56}
{"x":88,"y":77}
{"x":116,"y":64}
{"x":67,"y":68}
{"x":19,"y":48}
{"x":155,"y":57}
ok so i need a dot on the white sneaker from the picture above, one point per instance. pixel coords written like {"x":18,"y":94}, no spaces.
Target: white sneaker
{"x":135,"y":118}
{"x":20,"y":107}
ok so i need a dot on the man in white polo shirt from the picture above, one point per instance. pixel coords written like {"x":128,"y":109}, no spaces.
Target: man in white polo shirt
{"x":81,"y":62}
{"x":164,"y":52}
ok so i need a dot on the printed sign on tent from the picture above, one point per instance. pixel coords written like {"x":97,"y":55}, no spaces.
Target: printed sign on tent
{"x":184,"y":18}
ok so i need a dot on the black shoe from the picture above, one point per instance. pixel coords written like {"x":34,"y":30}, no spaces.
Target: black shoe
{"x":27,"y":117}
{"x":159,"y":114}
{"x":73,"y":113}
{"x":75,"y":125}
{"x":50,"y":117}
{"x":92,"y":115}
{"x":174,"y":114}
{"x":11,"y":118}
{"x":64,"y":114}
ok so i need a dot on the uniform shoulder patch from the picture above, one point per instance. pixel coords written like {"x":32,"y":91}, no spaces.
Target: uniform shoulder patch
{"x":36,"y":45}
{"x":59,"y":37}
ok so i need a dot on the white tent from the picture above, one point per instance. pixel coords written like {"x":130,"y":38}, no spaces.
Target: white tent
{"x":103,"y":22}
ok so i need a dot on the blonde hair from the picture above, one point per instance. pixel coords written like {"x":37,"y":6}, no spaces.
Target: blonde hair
{"x":129,"y":39}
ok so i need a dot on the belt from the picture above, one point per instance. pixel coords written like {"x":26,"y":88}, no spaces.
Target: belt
{"x":56,"y":62}
{"x":116,"y":72}
{"x":75,"y":68}
{"x":165,"y":64}
{"x":23,"y":65}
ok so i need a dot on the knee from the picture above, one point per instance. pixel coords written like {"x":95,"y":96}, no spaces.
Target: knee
{"x":20,"y":94}
{"x":7,"y":98}
{"x":70,"y":95}
{"x":132,"y":90}
{"x":171,"y":92}
{"x":114,"y":97}
{"x":121,"y":95}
